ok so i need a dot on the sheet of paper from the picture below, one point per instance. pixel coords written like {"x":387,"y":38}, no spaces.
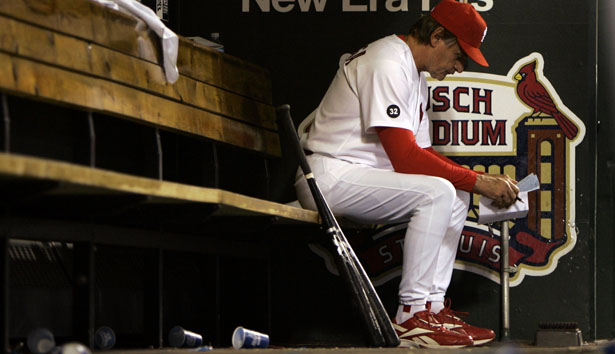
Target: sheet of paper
{"x":529,"y":183}
{"x":488,"y":213}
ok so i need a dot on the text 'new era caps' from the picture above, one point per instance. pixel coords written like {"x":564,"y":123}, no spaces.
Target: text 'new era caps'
{"x":462,"y":20}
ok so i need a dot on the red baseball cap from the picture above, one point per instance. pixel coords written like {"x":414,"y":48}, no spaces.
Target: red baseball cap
{"x":462,"y":20}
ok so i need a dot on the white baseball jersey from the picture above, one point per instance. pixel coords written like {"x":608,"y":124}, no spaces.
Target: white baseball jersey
{"x":379,"y":86}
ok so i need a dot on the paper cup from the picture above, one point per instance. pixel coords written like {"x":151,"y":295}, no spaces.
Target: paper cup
{"x":104,"y":338}
{"x":247,"y":338}
{"x":179,"y":337}
{"x":75,"y":348}
{"x":40,"y":341}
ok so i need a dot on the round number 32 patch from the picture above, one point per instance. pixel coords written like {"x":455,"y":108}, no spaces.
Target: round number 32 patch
{"x":393,"y":111}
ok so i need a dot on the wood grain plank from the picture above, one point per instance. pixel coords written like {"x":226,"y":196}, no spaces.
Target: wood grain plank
{"x":35,"y":79}
{"x":113,"y":29}
{"x":20,"y":166}
{"x":89,"y":20}
{"x":37,"y":43}
{"x":229,"y":72}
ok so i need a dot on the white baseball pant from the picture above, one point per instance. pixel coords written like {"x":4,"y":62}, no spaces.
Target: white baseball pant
{"x":434,"y":209}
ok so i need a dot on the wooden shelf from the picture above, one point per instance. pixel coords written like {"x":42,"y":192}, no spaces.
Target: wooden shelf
{"x":74,"y":179}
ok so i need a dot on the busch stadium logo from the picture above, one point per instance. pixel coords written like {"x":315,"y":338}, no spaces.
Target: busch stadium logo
{"x":515,"y":125}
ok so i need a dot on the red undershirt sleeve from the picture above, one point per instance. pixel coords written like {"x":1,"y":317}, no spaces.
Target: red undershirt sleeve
{"x":442,"y":157}
{"x":407,"y":157}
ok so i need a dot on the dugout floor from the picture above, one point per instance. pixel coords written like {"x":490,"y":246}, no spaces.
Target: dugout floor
{"x":604,"y":347}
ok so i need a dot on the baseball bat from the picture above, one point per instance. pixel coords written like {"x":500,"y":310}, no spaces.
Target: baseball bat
{"x":379,"y":327}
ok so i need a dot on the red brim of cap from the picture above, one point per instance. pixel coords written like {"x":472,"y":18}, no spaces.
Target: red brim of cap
{"x":473,"y":52}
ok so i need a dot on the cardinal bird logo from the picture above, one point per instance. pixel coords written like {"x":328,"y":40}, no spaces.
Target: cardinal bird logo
{"x":534,"y":95}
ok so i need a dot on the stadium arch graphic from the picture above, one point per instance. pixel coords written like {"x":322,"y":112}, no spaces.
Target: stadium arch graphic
{"x":514,"y":124}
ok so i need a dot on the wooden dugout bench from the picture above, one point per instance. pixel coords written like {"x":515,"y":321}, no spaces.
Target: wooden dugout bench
{"x":97,"y":149}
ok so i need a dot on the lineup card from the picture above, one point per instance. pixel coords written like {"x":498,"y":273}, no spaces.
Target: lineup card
{"x":488,"y":213}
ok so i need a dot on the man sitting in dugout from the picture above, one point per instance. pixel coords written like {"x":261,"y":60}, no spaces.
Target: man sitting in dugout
{"x":370,"y":150}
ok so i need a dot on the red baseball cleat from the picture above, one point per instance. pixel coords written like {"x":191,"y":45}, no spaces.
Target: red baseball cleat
{"x":424,"y":330}
{"x":450,"y":319}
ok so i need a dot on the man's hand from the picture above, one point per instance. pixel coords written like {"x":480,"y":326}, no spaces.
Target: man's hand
{"x":501,"y":189}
